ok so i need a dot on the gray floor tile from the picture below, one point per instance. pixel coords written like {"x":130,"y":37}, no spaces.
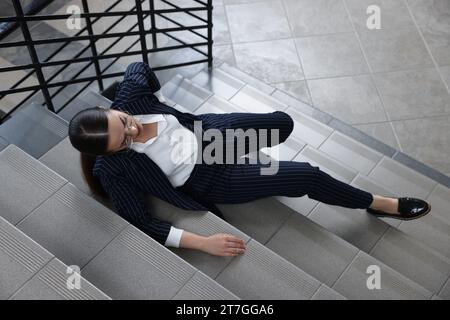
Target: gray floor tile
{"x":413,"y":93}
{"x":394,"y":14}
{"x":307,"y":129}
{"x":297,"y":89}
{"x":221,"y":33}
{"x":72,"y":226}
{"x":420,"y":138}
{"x":138,"y":268}
{"x":381,"y":131}
{"x":432,"y":18}
{"x":219,"y":82}
{"x":252,"y":100}
{"x":394,"y":286}
{"x":312,"y":249}
{"x":331,"y":56}
{"x":351,"y":99}
{"x":394,"y":49}
{"x":29,"y":184}
{"x":20,"y":258}
{"x":412,"y":259}
{"x":327,"y":164}
{"x":353,"y":225}
{"x":205,"y":224}
{"x":260,"y":219}
{"x":3,"y":143}
{"x":245,"y":21}
{"x":224,"y":53}
{"x":317,"y":17}
{"x":398,"y":178}
{"x":267,"y":275}
{"x":270,"y":61}
{"x":201,"y":287}
{"x":326,"y":293}
{"x":50,"y":283}
{"x":245,"y":77}
{"x":351,"y":152}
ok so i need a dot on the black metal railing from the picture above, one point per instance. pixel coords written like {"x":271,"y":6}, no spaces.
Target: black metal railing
{"x":35,"y":68}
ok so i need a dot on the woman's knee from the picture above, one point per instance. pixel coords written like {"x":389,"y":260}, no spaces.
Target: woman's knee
{"x":287,"y":125}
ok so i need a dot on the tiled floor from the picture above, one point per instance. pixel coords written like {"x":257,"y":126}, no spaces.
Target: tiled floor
{"x":391,"y":83}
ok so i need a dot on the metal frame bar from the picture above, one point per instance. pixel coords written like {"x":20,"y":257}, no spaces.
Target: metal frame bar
{"x":36,"y":66}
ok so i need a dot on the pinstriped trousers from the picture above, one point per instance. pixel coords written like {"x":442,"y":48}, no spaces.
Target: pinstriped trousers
{"x":239,"y":183}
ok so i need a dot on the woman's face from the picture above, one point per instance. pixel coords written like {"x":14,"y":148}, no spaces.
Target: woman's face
{"x":122,"y":129}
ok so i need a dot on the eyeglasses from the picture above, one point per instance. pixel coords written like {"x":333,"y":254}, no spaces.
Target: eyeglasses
{"x":128,"y":139}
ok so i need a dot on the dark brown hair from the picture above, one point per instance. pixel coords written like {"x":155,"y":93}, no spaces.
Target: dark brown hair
{"x":88,"y":133}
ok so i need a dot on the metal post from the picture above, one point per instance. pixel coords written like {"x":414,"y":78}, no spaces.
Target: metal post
{"x":98,"y":72}
{"x":210,"y":34}
{"x":153,"y":23}
{"x":33,"y":55}
{"x":140,"y":19}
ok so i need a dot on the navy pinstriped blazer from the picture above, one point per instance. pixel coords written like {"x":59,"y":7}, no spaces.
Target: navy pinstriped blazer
{"x":125,"y":176}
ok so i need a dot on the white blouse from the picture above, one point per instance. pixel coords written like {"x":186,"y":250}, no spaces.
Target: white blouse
{"x":174,"y":150}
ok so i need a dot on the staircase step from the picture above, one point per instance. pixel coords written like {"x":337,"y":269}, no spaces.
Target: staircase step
{"x":65,"y":160}
{"x":50,"y":283}
{"x":252,"y":100}
{"x":29,"y":183}
{"x":200,"y":287}
{"x":326,"y":293}
{"x":3,"y":143}
{"x":355,"y":154}
{"x":414,"y":260}
{"x":184,"y":92}
{"x":262,"y":274}
{"x":88,"y":100}
{"x":140,"y":268}
{"x":433,"y":229}
{"x":396,"y":176}
{"x":327,"y":164}
{"x":255,"y":83}
{"x":28,"y":271}
{"x":216,"y":104}
{"x":321,"y":254}
{"x":70,"y":214}
{"x":82,"y":232}
{"x":445,"y":292}
{"x":206,"y":223}
{"x":219,"y":82}
{"x":353,"y":282}
{"x":39,"y":131}
{"x":307,"y":129}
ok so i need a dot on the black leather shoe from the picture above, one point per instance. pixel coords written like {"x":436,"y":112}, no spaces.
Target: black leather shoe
{"x":409,"y":209}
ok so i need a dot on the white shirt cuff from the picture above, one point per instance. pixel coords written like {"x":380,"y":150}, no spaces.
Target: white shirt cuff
{"x":174,"y":237}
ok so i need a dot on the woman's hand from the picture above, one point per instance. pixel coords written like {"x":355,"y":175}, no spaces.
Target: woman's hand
{"x":224,"y":245}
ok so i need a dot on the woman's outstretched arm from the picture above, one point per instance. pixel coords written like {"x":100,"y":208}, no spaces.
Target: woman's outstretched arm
{"x":126,"y":201}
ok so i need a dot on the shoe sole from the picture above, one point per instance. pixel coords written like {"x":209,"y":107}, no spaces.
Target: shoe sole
{"x":393,"y":216}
